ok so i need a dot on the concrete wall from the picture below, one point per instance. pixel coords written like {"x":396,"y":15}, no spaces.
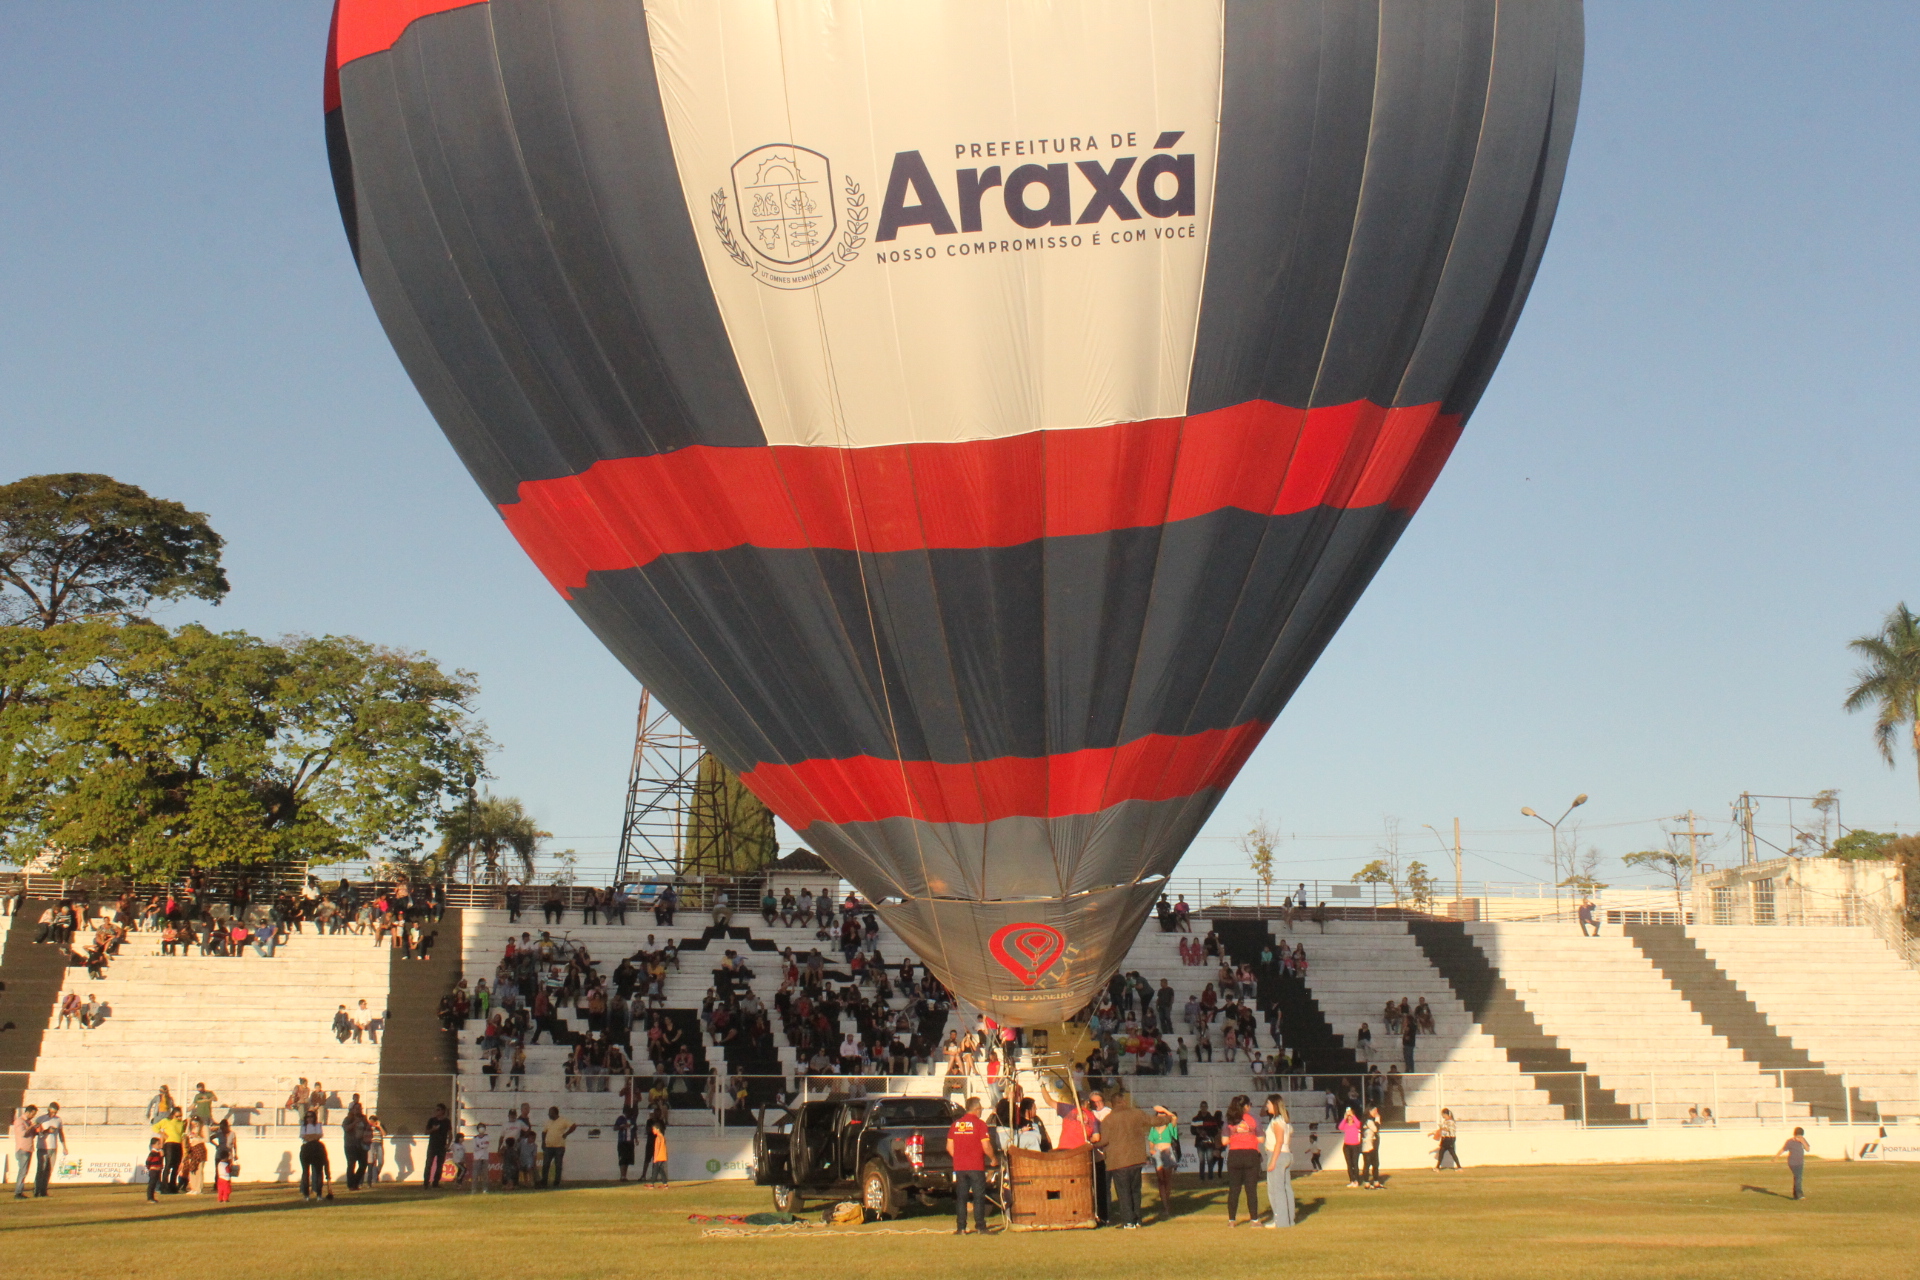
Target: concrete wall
{"x":1812,"y":891}
{"x":107,"y":1157}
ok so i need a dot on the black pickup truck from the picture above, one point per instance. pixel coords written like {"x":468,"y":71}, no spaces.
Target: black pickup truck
{"x":885,"y":1149}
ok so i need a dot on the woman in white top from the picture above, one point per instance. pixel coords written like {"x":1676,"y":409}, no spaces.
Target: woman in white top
{"x":1276,"y":1149}
{"x":315,"y":1170}
{"x":1445,"y":1134}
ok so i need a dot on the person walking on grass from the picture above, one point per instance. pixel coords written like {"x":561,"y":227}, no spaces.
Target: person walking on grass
{"x":1276,"y":1145}
{"x":1370,"y":1151}
{"x":1350,"y":1145}
{"x":623,"y":1144}
{"x":172,"y":1132}
{"x":1445,"y":1134}
{"x":156,"y":1166}
{"x":1795,"y":1150}
{"x":1163,"y":1154}
{"x":439,"y":1131}
{"x":970,"y":1146}
{"x":656,"y":1171}
{"x":25,"y":1121}
{"x":316,"y":1173}
{"x":1123,"y":1139}
{"x":553,"y":1147}
{"x":482,"y":1175}
{"x":1242,"y":1132}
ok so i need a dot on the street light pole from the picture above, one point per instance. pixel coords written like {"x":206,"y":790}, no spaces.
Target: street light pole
{"x":1554,"y":827}
{"x":467,"y":844}
{"x":1457,"y":891}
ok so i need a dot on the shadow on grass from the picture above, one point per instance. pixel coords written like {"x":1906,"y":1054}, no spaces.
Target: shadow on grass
{"x":1304,"y":1209}
{"x":247,"y":1205}
{"x":1764,"y":1191}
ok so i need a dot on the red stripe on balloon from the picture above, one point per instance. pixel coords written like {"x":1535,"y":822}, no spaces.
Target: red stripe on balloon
{"x":868,"y":789}
{"x":361,"y":27}
{"x":1258,"y":456}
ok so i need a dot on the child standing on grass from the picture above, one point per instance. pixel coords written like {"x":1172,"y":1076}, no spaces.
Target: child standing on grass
{"x":223,"y":1179}
{"x":156,"y":1163}
{"x":1313,"y":1147}
{"x":656,"y":1173}
{"x":482,"y":1149}
{"x":1795,"y":1150}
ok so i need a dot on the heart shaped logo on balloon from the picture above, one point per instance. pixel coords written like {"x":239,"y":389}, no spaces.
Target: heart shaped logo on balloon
{"x":1027,"y":950}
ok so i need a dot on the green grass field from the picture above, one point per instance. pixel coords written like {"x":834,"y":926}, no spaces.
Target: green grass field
{"x":1724,"y":1218}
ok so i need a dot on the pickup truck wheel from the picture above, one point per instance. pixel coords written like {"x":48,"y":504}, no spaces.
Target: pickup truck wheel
{"x":786,"y":1200}
{"x":877,"y":1195}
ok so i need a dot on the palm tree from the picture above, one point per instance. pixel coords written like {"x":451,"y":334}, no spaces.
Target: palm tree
{"x":1890,"y":680}
{"x":485,"y":833}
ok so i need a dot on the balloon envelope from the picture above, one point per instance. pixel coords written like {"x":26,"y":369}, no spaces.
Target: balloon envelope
{"x":972,"y":419}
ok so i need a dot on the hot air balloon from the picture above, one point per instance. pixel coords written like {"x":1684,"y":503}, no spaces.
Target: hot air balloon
{"x":971,"y":417}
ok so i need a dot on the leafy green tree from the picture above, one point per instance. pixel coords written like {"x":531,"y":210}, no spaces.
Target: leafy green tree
{"x":1583,"y":871}
{"x":1420,"y":885}
{"x":1889,"y":680}
{"x":1862,"y":845}
{"x":1669,"y":864}
{"x":1377,"y":873}
{"x":487,"y":834}
{"x":729,"y":829}
{"x":1259,"y":845}
{"x":79,"y":546}
{"x":131,"y":749}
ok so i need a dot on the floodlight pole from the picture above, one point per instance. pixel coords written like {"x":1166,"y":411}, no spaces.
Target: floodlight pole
{"x":1554,"y":827}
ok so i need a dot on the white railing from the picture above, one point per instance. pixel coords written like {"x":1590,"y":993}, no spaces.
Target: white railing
{"x":1673,"y":1095}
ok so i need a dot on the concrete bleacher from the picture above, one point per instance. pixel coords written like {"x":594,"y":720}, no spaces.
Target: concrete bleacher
{"x":1840,"y":994}
{"x":1634,"y":1033}
{"x":1610,"y":1007}
{"x":246,"y":1025}
{"x":249,"y":1026}
{"x":1154,"y":955}
{"x":1355,"y":967}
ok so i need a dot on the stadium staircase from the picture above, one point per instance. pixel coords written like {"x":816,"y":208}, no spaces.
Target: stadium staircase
{"x":33,"y":976}
{"x":1502,"y":1015}
{"x":1733,"y":1015}
{"x":417,"y":1054}
{"x":1354,"y":967}
{"x":1839,"y":996}
{"x":246,"y":1025}
{"x":1303,"y":1026}
{"x":1154,"y":955}
{"x":1603,"y":1000}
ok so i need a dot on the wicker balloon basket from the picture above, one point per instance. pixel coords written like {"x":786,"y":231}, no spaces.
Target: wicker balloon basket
{"x":1050,"y":1190}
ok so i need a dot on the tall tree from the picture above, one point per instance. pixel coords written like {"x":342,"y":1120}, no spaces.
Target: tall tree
{"x":486,"y":833}
{"x":1889,"y":681}
{"x":1671,"y":865}
{"x":132,"y":749}
{"x":78,"y":546}
{"x":1260,"y":844}
{"x":729,"y":829}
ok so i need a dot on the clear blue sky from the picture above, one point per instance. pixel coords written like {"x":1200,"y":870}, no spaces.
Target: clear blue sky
{"x":1690,"y":485}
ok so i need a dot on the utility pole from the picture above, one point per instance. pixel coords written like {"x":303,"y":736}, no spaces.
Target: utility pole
{"x":1743,"y":814}
{"x":1456,"y":860}
{"x":1693,"y":841}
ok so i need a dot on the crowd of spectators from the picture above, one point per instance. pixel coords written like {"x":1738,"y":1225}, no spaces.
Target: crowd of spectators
{"x":191,"y":918}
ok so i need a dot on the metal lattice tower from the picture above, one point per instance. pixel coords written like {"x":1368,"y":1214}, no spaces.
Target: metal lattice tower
{"x":660,"y":790}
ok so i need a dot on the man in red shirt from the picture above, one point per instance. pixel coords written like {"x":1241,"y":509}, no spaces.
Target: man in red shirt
{"x":969,"y":1143}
